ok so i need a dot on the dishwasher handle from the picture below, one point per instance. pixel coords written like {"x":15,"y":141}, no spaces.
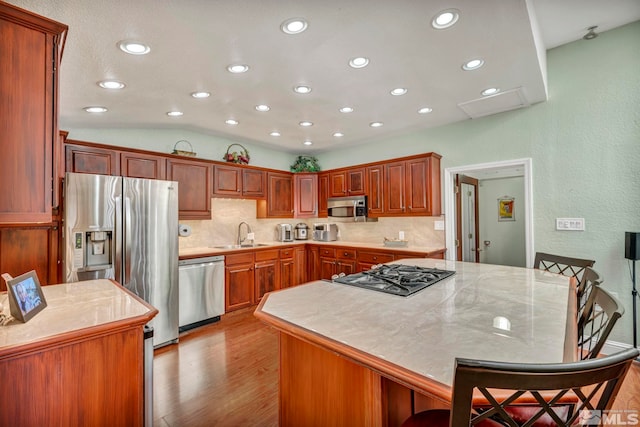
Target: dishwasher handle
{"x":194,"y":266}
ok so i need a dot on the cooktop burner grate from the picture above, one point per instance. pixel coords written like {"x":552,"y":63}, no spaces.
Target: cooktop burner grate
{"x":397,"y":279}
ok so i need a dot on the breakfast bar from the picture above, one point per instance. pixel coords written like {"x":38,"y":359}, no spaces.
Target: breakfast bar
{"x":355,"y":356}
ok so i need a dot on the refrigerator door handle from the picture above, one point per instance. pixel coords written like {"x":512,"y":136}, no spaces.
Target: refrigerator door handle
{"x":118,"y":242}
{"x":127,"y":240}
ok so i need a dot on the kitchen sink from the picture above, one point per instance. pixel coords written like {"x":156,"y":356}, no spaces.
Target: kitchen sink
{"x":246,"y":245}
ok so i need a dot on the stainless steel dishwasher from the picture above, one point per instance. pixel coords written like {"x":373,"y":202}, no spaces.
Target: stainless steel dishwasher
{"x":201,"y":284}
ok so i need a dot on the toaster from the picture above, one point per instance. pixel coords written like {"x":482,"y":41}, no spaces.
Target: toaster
{"x":325,"y":232}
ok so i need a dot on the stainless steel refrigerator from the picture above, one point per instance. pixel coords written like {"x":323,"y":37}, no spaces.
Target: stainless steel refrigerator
{"x":126,"y":229}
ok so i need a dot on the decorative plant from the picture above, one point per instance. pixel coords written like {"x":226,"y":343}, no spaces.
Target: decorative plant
{"x":305,"y":164}
{"x":241,"y":157}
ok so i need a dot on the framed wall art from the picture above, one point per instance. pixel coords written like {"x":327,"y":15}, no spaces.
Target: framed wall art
{"x":505,"y":209}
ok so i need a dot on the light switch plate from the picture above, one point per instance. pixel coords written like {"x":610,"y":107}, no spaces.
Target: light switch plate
{"x":438,"y":225}
{"x":570,"y":224}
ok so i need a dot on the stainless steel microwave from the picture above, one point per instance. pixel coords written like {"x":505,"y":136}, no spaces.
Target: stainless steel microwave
{"x":348,"y":209}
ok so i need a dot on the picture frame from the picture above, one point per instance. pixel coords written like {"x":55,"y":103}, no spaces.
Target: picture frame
{"x":506,"y":207}
{"x":25,"y":296}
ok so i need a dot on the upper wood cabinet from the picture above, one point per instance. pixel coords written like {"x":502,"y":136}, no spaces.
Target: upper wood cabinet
{"x":88,"y":159}
{"x":235,"y":181}
{"x":347,"y":182}
{"x":194,"y":187}
{"x":323,"y":194}
{"x":305,"y":197}
{"x":139,"y":165}
{"x":30,"y":50}
{"x":375,"y":186}
{"x":279,"y":202}
{"x":412,"y":186}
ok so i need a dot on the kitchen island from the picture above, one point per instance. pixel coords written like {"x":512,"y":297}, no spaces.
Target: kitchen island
{"x":352,"y":356}
{"x":79,"y":361}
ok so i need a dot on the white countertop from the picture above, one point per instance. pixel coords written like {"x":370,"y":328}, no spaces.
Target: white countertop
{"x":212,"y":250}
{"x":72,"y":307}
{"x":482,"y":312}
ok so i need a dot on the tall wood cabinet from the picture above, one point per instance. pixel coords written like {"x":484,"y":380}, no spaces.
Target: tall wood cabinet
{"x":305,"y":195}
{"x":30,"y":51}
{"x":279,"y":201}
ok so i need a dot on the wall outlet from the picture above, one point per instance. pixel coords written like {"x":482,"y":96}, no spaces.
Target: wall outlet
{"x":438,"y":225}
{"x":251,"y":236}
{"x":400,"y":235}
{"x":570,"y":224}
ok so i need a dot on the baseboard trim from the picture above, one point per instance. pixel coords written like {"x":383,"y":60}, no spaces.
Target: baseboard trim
{"x":611,"y":347}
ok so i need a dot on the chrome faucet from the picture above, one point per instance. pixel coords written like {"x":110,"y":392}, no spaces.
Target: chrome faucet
{"x":240,"y":239}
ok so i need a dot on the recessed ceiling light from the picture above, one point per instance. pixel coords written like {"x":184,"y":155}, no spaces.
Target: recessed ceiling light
{"x":275,"y":134}
{"x":306,"y":124}
{"x":294,"y":26}
{"x":425,"y":110}
{"x":200,"y":94}
{"x":490,"y":91}
{"x":302,"y":89}
{"x":398,"y":91}
{"x":359,"y":62}
{"x":111,"y":84}
{"x":134,"y":48}
{"x":338,"y":134}
{"x":263,"y":108}
{"x":175,"y":113}
{"x":346,"y":110}
{"x":238,"y":68}
{"x":231,"y":122}
{"x":474,"y":64}
{"x":375,"y":124}
{"x":445,"y":19}
{"x":95,"y":109}
{"x":307,"y":143}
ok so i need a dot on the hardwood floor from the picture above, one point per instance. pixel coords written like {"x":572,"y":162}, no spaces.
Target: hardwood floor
{"x":223,"y":374}
{"x":226,"y":374}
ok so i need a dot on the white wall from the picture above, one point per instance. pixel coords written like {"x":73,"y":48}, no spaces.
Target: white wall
{"x":507,"y":237}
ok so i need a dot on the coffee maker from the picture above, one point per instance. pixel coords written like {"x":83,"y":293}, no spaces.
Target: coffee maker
{"x":284,"y":233}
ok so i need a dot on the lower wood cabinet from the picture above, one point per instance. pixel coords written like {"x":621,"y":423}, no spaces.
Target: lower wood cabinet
{"x":30,"y":247}
{"x":248,"y":276}
{"x":293,"y":266}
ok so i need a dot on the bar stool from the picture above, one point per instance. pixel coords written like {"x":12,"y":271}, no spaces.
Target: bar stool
{"x":567,"y":266}
{"x":600,"y":314}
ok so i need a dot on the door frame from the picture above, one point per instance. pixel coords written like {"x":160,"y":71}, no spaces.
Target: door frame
{"x":465,"y":179}
{"x":450,"y":207}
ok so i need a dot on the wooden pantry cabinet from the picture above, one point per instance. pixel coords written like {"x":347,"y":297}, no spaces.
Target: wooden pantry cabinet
{"x":30,"y":50}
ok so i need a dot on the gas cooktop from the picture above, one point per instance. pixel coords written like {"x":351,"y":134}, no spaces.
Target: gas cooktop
{"x":397,"y":279}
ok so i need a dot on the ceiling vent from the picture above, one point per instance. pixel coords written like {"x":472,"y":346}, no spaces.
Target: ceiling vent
{"x":503,"y":101}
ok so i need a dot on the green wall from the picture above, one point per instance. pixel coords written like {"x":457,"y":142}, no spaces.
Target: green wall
{"x":585,"y":146}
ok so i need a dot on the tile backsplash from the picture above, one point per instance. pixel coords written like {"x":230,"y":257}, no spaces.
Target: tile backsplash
{"x":226,"y":214}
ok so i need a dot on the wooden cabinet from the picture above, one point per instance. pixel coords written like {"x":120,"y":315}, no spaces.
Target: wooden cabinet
{"x":236,"y":181}
{"x":30,"y":50}
{"x":239,"y":281}
{"x":194,"y":187}
{"x":412,"y":186}
{"x":345,"y":261}
{"x":279,"y":202}
{"x":293,"y":266}
{"x":336,"y":260}
{"x":30,"y":247}
{"x":347,"y":182}
{"x":375,"y":186}
{"x":305,"y":195}
{"x":142,"y":165}
{"x":253,"y":183}
{"x":87,"y":159}
{"x":267,"y":274}
{"x":323,"y":194}
{"x":313,"y":263}
{"x":248,"y":276}
{"x":367,"y":259}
